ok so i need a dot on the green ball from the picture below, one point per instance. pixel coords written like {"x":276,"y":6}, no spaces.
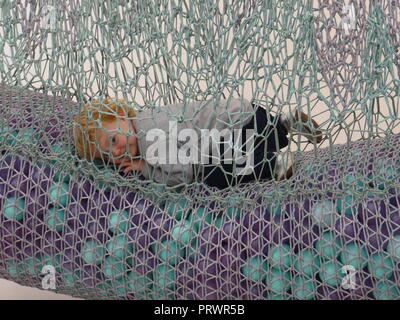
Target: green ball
{"x":179,"y":209}
{"x":279,"y":256}
{"x":381,"y":265}
{"x":113,"y":268}
{"x":393,"y":248}
{"x":255,"y":268}
{"x":330,"y":273}
{"x":169,"y":252}
{"x":55,"y":219}
{"x":354,"y":255}
{"x":59,"y":193}
{"x":119,"y":247}
{"x":327,"y":246}
{"x":307,"y":262}
{"x":182,"y":232}
{"x":93,"y":252}
{"x":386,"y":290}
{"x":14,"y":208}
{"x":118,"y":222}
{"x":164,"y":277}
{"x":278,"y":281}
{"x":303,"y":288}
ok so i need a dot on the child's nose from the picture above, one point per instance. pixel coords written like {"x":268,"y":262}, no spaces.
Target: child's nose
{"x":120,"y":147}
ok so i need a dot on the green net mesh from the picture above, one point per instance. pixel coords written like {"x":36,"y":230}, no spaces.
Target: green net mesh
{"x":317,"y":82}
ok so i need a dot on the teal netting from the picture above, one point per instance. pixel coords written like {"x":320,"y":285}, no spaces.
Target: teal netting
{"x":329,"y":231}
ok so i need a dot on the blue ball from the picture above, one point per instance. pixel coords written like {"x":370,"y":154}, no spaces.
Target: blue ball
{"x":14,"y":208}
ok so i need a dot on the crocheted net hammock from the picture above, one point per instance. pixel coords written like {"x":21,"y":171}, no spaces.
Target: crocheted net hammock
{"x":329,"y":232}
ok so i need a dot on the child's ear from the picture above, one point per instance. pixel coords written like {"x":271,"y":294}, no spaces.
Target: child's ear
{"x":121,"y":113}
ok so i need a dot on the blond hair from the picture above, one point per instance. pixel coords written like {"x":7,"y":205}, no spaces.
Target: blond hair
{"x":89,"y":120}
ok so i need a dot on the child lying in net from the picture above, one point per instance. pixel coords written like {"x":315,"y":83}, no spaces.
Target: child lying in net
{"x":112,"y":131}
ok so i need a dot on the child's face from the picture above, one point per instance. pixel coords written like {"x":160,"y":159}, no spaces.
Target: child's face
{"x":117,"y":140}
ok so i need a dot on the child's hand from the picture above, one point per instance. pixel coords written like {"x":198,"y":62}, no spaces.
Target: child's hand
{"x":128,"y":164}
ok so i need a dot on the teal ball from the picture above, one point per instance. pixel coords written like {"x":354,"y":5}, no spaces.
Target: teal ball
{"x":323,"y":213}
{"x":393,"y":248}
{"x":119,"y":247}
{"x":93,"y":252}
{"x":55,"y":219}
{"x":386,"y":290}
{"x":255,"y":268}
{"x":381,"y":265}
{"x":178,"y":210}
{"x":59,"y":193}
{"x":307,"y":262}
{"x":279,"y":256}
{"x":327,"y":246}
{"x":331,"y":273}
{"x":139,"y":284}
{"x":118,"y":222}
{"x":14,"y":208}
{"x":170,"y":252}
{"x":113,"y":268}
{"x":182,"y":232}
{"x":355,"y":255}
{"x":303,"y":288}
{"x":278,"y":281}
{"x":164,"y":277}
